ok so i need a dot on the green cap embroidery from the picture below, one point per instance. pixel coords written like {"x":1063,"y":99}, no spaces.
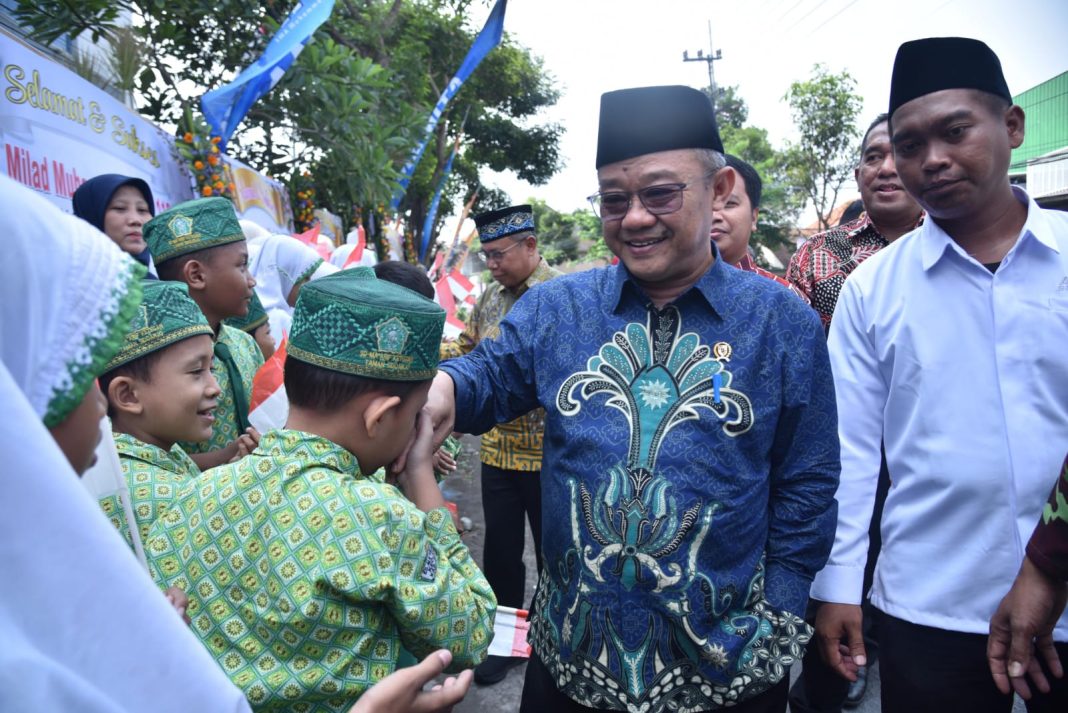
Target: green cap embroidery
{"x":354,"y":323}
{"x":252,"y":321}
{"x":167,"y":315}
{"x":192,"y":226}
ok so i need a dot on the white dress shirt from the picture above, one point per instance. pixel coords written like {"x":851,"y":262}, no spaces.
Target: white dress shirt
{"x":964,"y":375}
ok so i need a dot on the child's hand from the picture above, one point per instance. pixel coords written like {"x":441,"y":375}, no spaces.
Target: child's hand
{"x":443,"y":462}
{"x":416,"y":480}
{"x":402,"y":691}
{"x":179,"y":601}
{"x":246,"y":443}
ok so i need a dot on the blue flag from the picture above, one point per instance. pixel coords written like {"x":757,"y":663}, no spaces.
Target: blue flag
{"x":487,"y":39}
{"x":428,"y":224}
{"x":225,"y":107}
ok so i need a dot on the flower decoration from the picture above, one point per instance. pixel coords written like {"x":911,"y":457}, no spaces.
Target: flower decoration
{"x":302,"y":192}
{"x":201,"y":152}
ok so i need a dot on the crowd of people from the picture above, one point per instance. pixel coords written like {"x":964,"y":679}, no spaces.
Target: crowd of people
{"x":725,"y":471}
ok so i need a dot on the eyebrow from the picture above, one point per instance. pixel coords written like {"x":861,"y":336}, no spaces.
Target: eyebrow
{"x":939,"y":123}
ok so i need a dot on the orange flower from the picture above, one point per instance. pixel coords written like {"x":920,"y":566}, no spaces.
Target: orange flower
{"x":206,"y":191}
{"x":233,"y":188}
{"x":219,"y":185}
{"x":188,"y":137}
{"x":215,"y":149}
{"x":214,"y":139}
{"x":213,"y":160}
{"x":199,"y":165}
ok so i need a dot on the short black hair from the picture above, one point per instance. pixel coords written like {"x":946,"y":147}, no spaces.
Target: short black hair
{"x":140,"y":369}
{"x":754,"y":187}
{"x":852,"y":212}
{"x":883,"y":118}
{"x":407,"y":275}
{"x":994,"y":103}
{"x":325,"y":390}
{"x":172,"y":269}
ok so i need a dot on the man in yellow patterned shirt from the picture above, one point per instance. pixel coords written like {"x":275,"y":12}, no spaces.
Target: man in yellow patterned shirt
{"x":511,"y":452}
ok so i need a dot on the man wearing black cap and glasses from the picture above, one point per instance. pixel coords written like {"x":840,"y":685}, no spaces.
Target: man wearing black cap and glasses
{"x":690,"y":448}
{"x":949,"y":347}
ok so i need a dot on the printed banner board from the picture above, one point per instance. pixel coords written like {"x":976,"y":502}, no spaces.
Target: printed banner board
{"x":58,"y":130}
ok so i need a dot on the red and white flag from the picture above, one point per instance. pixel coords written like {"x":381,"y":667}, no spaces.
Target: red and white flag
{"x":463,"y":290}
{"x":357,"y":251}
{"x":510,"y":633}
{"x":453,"y":325}
{"x":269,"y":407}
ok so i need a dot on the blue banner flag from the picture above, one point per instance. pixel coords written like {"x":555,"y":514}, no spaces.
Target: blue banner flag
{"x":225,"y":107}
{"x":487,"y":39}
{"x":428,"y":224}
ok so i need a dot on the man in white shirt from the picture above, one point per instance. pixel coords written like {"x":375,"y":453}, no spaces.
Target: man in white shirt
{"x":950,"y":346}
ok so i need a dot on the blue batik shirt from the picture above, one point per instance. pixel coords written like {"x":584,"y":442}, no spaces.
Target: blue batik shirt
{"x":691,"y":460}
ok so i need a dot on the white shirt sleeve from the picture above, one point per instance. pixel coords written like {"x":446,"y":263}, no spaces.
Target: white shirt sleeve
{"x":861,"y":393}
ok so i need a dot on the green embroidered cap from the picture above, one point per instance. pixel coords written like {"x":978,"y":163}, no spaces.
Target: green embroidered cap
{"x":256,"y":317}
{"x":191,"y":226}
{"x":167,"y":315}
{"x":354,"y":323}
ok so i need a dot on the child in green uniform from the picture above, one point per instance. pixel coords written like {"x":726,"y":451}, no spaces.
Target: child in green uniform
{"x":201,"y":244}
{"x":255,"y":323}
{"x":160,"y":391}
{"x":305,"y":576}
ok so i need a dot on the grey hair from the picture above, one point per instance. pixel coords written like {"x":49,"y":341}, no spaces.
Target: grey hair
{"x":711,"y":161}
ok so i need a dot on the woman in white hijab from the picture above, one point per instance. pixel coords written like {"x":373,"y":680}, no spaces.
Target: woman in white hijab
{"x":83,"y":627}
{"x":281,"y":265}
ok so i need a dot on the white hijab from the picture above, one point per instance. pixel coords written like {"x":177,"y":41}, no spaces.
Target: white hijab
{"x":68,"y":296}
{"x":83,"y":627}
{"x":278,"y":262}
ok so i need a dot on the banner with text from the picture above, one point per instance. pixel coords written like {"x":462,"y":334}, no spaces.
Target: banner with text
{"x":260,"y":199}
{"x":58,"y":130}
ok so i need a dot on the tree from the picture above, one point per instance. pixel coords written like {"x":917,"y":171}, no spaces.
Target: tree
{"x":352,"y":107}
{"x":564,"y":237}
{"x":731,"y":109}
{"x":824,"y":109}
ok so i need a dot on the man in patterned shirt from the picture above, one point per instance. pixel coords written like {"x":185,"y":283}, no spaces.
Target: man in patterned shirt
{"x":820,"y":267}
{"x":734,"y":224}
{"x":511,"y":452}
{"x":691,"y":454}
{"x":200,"y":243}
{"x":305,"y":574}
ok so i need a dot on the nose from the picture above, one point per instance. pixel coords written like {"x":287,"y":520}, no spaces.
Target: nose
{"x":637,"y":215}
{"x":887,"y":167}
{"x":251,"y":280}
{"x":213,"y":389}
{"x":935,"y":158}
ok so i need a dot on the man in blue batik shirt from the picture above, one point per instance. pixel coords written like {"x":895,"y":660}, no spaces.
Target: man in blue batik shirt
{"x":691,"y":454}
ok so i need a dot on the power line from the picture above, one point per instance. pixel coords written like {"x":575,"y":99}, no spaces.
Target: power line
{"x":801,"y":19}
{"x":854,"y":2}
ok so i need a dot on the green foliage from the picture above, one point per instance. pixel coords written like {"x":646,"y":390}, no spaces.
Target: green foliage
{"x":825,"y":109}
{"x":731,"y":109}
{"x":564,"y":237}
{"x":779,"y":207}
{"x":353,"y":106}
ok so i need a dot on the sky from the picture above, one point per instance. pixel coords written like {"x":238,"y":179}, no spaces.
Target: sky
{"x":594,"y":46}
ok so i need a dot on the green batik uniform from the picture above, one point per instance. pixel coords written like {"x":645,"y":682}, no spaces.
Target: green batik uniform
{"x":154,"y":477}
{"x":248,"y":358}
{"x":188,"y":228}
{"x":305,"y":577}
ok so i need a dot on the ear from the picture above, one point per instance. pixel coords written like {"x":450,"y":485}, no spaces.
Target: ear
{"x":722,"y":185}
{"x":194,"y":273}
{"x":756,"y":215}
{"x":122,"y":396}
{"x":378,"y":411}
{"x":1014,"y":123}
{"x":856,"y":175}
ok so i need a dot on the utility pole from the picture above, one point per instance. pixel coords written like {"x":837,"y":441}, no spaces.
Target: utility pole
{"x":708,"y":59}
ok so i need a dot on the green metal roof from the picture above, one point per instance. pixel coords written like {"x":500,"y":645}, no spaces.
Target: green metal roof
{"x":1046,"y":128}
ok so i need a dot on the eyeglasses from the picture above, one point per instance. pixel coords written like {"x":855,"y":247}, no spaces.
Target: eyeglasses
{"x":660,"y":199}
{"x":496,"y":255}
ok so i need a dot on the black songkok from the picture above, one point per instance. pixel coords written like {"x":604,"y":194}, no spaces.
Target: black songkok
{"x":937,"y":63}
{"x":644,"y":120}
